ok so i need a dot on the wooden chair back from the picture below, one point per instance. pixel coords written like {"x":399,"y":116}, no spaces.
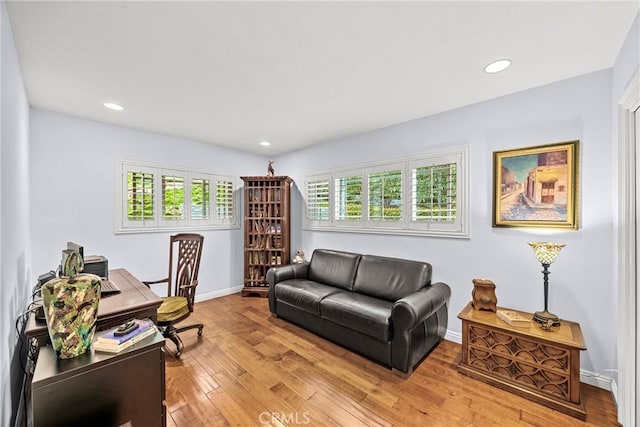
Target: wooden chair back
{"x":183,"y":271}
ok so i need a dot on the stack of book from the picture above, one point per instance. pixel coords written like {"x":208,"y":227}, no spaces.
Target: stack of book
{"x":513,"y":318}
{"x":114,"y":341}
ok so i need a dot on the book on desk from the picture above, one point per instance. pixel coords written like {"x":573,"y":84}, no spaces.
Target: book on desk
{"x":110,"y":341}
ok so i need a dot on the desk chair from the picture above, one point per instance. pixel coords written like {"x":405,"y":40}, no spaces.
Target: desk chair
{"x":181,"y":287}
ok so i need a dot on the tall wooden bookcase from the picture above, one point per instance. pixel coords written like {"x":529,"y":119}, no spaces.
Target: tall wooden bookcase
{"x":266,"y":229}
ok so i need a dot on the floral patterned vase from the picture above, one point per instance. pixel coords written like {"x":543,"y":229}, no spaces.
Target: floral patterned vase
{"x":71,"y":309}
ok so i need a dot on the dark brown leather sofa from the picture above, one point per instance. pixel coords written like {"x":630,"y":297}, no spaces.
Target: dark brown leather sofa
{"x":384,"y":308}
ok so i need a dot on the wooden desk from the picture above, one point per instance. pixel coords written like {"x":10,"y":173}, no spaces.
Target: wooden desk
{"x":135,"y":300}
{"x":543,"y":366}
{"x":101,"y":388}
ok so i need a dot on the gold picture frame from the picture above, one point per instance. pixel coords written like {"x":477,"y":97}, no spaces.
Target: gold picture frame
{"x":536,"y":186}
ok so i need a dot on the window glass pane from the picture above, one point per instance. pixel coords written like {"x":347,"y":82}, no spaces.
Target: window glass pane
{"x":385,"y":196}
{"x":139,"y":196}
{"x":318,"y":200}
{"x":224,"y":200}
{"x":348,"y":198}
{"x":200,"y":199}
{"x":172,"y":197}
{"x":433,"y":194}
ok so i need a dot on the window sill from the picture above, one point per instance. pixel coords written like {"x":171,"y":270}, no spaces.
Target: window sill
{"x":179,"y":229}
{"x":393,"y":231}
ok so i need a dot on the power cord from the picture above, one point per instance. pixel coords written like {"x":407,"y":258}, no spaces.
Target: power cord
{"x":32,"y":349}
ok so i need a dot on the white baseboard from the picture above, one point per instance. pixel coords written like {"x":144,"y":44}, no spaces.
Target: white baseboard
{"x":600,"y":381}
{"x":218,"y":294}
{"x":455,"y":337}
{"x":614,"y":391}
{"x":588,"y":377}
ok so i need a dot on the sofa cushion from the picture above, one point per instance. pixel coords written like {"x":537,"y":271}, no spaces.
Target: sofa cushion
{"x":390,"y":278}
{"x":303,"y":294}
{"x":361,"y":313}
{"x":334,"y":268}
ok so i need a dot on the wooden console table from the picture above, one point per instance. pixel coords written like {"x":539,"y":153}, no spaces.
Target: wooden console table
{"x":543,"y":366}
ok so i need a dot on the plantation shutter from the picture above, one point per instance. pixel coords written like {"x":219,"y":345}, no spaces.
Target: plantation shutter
{"x":318,"y":200}
{"x":224,"y":200}
{"x":200,"y":200}
{"x":385,"y":194}
{"x":173,"y":206}
{"x":348,"y":198}
{"x":139,"y":204}
{"x":434,"y":193}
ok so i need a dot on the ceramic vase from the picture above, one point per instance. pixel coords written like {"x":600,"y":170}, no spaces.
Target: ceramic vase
{"x":71,"y":310}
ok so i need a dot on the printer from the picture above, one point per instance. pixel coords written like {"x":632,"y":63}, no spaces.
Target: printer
{"x":96,"y":264}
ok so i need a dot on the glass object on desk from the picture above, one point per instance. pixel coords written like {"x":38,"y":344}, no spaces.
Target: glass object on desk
{"x":71,"y":309}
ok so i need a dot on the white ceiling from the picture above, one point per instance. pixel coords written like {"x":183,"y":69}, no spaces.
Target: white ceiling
{"x":298,"y":73}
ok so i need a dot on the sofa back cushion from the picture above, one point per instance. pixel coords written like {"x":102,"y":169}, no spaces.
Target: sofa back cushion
{"x":390,"y":278}
{"x":334,"y":268}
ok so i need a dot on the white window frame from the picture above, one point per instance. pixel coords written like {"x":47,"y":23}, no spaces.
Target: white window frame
{"x":436,"y":226}
{"x":203,"y":221}
{"x":122,"y":186}
{"x":178,"y":222}
{"x":315,"y":222}
{"x":122,"y":224}
{"x":382,"y":223}
{"x":231,"y":220}
{"x":332,"y":200}
{"x":459,"y":228}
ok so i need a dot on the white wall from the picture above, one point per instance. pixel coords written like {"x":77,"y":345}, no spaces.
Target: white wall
{"x":581,"y":285}
{"x":73,"y":174}
{"x":627,"y":65}
{"x":627,"y":62}
{"x":15,"y":259}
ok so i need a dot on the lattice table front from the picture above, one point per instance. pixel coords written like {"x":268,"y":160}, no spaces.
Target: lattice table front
{"x":543,"y":366}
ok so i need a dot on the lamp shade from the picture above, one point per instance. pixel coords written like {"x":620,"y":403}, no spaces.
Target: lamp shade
{"x":546,"y":252}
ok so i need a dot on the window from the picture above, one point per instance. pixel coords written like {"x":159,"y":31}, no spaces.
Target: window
{"x":318,"y":194}
{"x":140,"y":196}
{"x":348,"y":198}
{"x":424,"y":194}
{"x":385,"y":194}
{"x":200,"y":199}
{"x":433,"y":193}
{"x":224,"y":201}
{"x":173,"y":202}
{"x":159,"y":198}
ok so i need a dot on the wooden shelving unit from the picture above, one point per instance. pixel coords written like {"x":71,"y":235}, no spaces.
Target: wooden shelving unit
{"x":266,"y":229}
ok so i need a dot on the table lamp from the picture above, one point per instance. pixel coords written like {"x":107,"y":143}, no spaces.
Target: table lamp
{"x":546,"y":253}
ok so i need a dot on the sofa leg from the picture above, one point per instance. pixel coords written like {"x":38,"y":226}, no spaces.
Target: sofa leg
{"x":401,"y":374}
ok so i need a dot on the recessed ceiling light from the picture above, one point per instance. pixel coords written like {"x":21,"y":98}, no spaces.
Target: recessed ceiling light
{"x":265,"y":143}
{"x":112,"y":106}
{"x":497,"y":66}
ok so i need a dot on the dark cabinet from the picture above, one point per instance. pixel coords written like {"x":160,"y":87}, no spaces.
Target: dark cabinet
{"x":101,"y":389}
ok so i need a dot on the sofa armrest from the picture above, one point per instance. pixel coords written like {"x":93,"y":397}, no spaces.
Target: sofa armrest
{"x":410,"y":311}
{"x":286,"y":272}
{"x":280,"y":274}
{"x":419,"y":323}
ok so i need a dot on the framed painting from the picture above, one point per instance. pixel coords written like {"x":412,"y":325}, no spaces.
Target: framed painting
{"x":536,"y":186}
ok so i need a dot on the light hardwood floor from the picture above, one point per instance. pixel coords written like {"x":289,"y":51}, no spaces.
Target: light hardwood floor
{"x":250,"y":368}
